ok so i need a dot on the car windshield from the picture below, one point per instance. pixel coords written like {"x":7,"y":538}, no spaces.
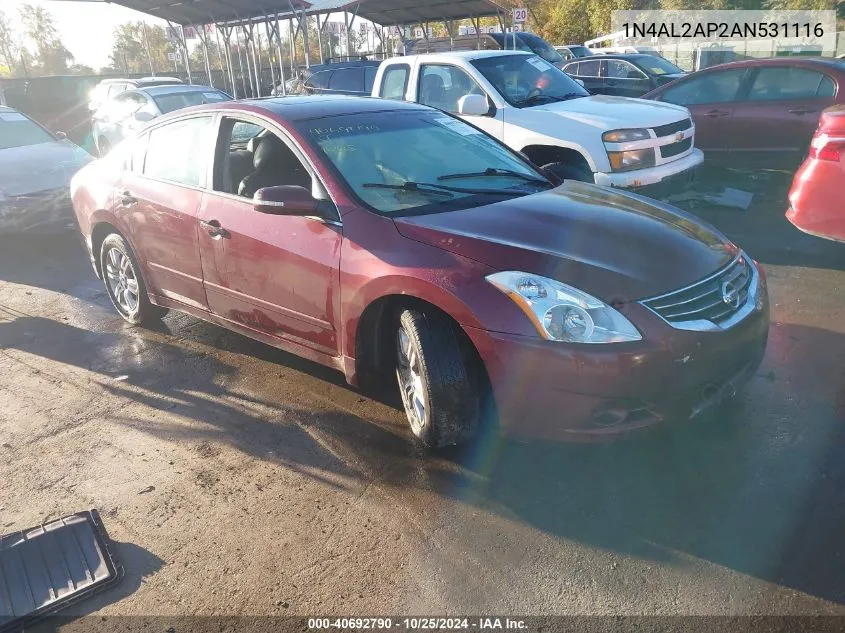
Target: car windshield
{"x":17,"y":131}
{"x":420,"y":161}
{"x":541,"y":47}
{"x":527,"y":80}
{"x":580,"y":51}
{"x":658,"y":66}
{"x":171,"y":101}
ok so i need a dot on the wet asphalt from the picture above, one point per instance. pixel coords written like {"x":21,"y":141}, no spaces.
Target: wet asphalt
{"x":237,"y":479}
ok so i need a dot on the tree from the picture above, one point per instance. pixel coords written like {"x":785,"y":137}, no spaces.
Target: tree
{"x":136,"y":47}
{"x":9,"y":46}
{"x":51,"y":57}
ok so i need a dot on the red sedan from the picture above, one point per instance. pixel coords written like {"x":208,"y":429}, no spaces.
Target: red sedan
{"x":758,"y":112}
{"x":816,"y":199}
{"x":385,"y":238}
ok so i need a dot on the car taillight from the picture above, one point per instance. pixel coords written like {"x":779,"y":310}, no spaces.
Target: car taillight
{"x":824,"y":147}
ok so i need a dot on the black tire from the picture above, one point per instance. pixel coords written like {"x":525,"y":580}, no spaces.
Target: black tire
{"x":568,"y":171}
{"x":447,"y":379}
{"x":144,"y":312}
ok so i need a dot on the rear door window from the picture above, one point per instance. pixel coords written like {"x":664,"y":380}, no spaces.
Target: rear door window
{"x":394,"y":83}
{"x":786,"y":83}
{"x":709,"y":87}
{"x":347,"y":80}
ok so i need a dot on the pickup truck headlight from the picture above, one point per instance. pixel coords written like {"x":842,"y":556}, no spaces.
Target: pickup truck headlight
{"x":632,"y":159}
{"x":625,"y":136}
{"x":563,"y":313}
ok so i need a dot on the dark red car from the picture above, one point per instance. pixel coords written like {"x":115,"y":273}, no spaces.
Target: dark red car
{"x":381,"y":237}
{"x":759,"y":112}
{"x":816,"y":200}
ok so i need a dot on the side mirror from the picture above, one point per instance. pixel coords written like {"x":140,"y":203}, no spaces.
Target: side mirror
{"x":60,"y":135}
{"x":473,"y":105}
{"x":143,"y":117}
{"x":285,"y":200}
{"x":580,"y":82}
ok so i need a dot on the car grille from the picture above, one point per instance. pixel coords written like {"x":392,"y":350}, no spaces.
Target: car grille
{"x":672,"y":128}
{"x":706,"y":299}
{"x":673,"y":149}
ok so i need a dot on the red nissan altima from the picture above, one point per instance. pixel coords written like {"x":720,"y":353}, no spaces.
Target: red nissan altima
{"x":387,"y":239}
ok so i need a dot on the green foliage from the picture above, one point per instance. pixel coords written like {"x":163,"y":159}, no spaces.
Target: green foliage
{"x":51,"y":57}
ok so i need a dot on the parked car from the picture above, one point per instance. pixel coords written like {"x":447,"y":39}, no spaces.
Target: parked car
{"x":527,"y":42}
{"x":816,"y":198}
{"x":36,"y":166}
{"x":384,"y":238}
{"x":624,"y":50}
{"x":573,"y":51}
{"x":132,"y":109}
{"x":623,"y":75}
{"x":535,"y":108}
{"x":760,"y":112}
{"x":354,"y":78}
{"x":110,"y":88}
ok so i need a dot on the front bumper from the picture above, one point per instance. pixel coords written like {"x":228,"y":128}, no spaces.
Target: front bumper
{"x":652,"y":175}
{"x":46,"y":211}
{"x":582,"y":392}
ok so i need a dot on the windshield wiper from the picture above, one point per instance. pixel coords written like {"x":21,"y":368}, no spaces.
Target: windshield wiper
{"x":566,"y":97}
{"x":494,"y":171}
{"x":443,"y":190}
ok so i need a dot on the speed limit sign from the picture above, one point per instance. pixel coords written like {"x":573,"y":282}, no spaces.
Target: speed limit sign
{"x":520,"y":15}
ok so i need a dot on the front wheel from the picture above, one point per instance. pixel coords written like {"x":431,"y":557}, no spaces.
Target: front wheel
{"x":436,"y":379}
{"x":124,"y":284}
{"x":567,"y":171}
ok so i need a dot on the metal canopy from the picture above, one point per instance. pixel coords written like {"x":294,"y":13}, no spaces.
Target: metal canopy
{"x":206,"y":11}
{"x":402,"y":12}
{"x":383,"y":12}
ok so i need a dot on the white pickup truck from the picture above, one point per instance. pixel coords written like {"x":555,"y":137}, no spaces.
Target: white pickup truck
{"x":536,"y":109}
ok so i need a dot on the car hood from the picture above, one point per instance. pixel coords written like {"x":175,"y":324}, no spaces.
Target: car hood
{"x":40,"y":167}
{"x":609,"y":113}
{"x":616,"y":246}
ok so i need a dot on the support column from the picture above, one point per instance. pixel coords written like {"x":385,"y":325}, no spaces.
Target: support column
{"x":281,"y":57}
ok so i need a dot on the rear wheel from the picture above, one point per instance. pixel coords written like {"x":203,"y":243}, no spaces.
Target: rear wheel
{"x":568,"y":171}
{"x":124,"y":284}
{"x":436,"y":379}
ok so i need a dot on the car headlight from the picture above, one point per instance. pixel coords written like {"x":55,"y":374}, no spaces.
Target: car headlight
{"x":632,"y":159}
{"x":563,"y":313}
{"x":625,"y":136}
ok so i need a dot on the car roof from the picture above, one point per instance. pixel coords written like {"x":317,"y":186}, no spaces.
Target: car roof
{"x":305,"y":107}
{"x":828,"y":62}
{"x":623,"y":56}
{"x":146,"y":80}
{"x":155,"y":91}
{"x":468,"y":55}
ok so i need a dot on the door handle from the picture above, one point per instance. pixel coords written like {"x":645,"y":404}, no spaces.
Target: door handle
{"x":801,"y":110}
{"x":127,"y":199}
{"x":214,"y":229}
{"x":717,"y":114}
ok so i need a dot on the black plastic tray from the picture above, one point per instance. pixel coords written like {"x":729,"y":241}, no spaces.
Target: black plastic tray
{"x":50,"y":566}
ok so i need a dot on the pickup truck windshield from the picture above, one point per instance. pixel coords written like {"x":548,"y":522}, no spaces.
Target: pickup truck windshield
{"x":527,"y":80}
{"x":422,"y":161}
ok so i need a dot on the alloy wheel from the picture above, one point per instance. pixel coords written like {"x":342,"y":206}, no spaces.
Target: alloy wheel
{"x":122,"y":281}
{"x":411,"y":382}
